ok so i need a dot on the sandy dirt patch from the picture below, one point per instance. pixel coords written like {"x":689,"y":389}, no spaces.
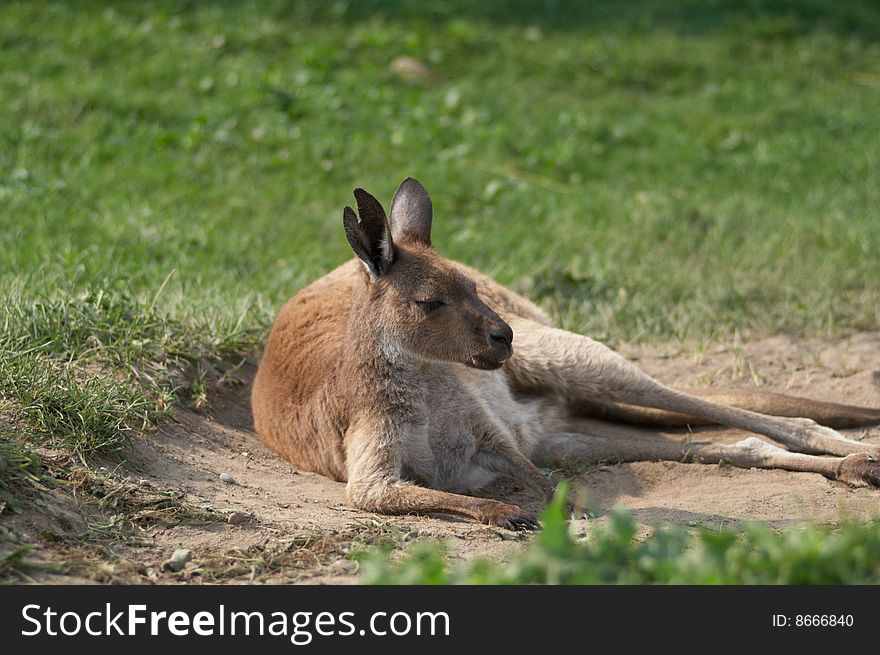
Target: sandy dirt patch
{"x":295,"y":526}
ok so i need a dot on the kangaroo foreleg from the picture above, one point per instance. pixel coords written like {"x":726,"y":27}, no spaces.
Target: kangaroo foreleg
{"x":503,"y":457}
{"x":374,"y":485}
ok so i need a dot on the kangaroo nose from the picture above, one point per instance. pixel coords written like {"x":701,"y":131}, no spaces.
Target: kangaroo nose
{"x":502,"y":337}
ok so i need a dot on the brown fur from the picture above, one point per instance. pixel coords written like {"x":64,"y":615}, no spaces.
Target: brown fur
{"x":395,"y":374}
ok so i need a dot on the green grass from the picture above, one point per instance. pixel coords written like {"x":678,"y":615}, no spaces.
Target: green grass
{"x":19,"y":467}
{"x":757,"y":554}
{"x":85,"y":366}
{"x":170,"y":172}
{"x":683,"y":169}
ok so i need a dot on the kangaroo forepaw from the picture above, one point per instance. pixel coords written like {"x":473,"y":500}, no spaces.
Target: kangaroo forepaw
{"x":860,"y":470}
{"x":513,"y":518}
{"x":521,"y":523}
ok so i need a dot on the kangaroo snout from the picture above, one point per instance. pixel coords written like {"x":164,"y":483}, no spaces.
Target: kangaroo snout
{"x":501,"y":338}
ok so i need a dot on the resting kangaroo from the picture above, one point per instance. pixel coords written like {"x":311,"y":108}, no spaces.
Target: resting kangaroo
{"x":417,"y":380}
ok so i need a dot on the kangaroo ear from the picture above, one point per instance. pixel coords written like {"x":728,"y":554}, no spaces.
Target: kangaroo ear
{"x":369,"y":236}
{"x":411,"y":213}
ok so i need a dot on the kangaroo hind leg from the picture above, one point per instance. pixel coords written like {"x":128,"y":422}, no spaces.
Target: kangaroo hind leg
{"x":563,"y":449}
{"x":833,"y":415}
{"x":549,"y":360}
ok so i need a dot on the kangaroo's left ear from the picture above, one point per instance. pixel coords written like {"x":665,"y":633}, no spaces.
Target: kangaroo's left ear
{"x":411,"y":213}
{"x":369,"y":236}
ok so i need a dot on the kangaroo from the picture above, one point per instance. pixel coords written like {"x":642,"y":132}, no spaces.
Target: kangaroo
{"x":417,"y":380}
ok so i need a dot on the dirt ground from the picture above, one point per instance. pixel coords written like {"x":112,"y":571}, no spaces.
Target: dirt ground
{"x":296,"y":527}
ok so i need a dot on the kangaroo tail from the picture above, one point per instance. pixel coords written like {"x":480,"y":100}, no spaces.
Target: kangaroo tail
{"x":833,"y":415}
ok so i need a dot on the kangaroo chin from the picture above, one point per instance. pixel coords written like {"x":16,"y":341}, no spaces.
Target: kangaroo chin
{"x":485,"y":363}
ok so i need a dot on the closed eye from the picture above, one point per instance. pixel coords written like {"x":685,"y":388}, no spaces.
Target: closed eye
{"x":429,"y":306}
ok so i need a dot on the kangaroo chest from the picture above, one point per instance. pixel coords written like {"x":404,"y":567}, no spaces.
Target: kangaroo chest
{"x":461,"y":415}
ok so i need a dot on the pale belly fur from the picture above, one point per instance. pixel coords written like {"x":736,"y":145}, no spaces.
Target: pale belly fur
{"x":462,"y":409}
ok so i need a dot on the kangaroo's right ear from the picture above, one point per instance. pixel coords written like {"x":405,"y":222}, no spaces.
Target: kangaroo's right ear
{"x":411,"y":213}
{"x":369,"y":237}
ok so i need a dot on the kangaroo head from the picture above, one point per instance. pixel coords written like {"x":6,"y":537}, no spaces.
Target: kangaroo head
{"x":422,"y":303}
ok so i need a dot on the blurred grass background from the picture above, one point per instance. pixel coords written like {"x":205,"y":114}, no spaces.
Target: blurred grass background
{"x":171,"y":172}
{"x":648,"y":170}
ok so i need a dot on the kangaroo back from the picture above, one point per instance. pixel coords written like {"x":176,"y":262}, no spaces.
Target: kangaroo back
{"x":297,"y":409}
